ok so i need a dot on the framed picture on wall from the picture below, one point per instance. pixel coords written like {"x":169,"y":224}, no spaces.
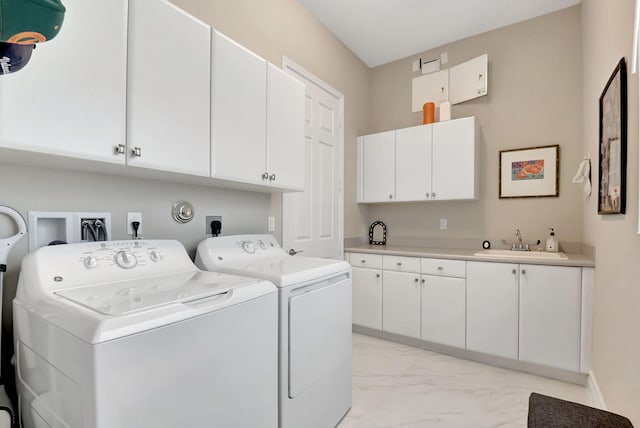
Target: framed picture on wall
{"x":612,"y":161}
{"x":530,"y":173}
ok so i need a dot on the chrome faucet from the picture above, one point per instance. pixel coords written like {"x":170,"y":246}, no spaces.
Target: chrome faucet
{"x":519,"y":236}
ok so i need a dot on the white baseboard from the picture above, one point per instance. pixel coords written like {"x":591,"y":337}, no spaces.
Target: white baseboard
{"x":595,"y":395}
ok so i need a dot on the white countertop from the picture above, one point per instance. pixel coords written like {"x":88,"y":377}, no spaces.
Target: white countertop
{"x":466,"y":254}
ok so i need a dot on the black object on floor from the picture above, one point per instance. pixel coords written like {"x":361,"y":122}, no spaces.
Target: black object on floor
{"x":550,"y":412}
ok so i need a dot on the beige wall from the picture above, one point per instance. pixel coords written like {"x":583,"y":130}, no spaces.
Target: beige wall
{"x":284,"y":27}
{"x":607,"y":31}
{"x":534,"y":99}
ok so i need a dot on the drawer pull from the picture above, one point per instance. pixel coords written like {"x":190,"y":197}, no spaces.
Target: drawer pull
{"x":416,"y":280}
{"x":377,"y":275}
{"x":513,"y":271}
{"x":423,"y":280}
{"x":363,"y":261}
{"x":524,"y":272}
{"x":399,"y":264}
{"x":440,"y":268}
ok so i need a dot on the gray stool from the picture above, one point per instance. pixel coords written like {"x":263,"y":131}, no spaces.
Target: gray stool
{"x":549,"y":412}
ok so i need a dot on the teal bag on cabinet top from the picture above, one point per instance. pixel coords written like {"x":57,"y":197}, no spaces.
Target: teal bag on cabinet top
{"x":30,"y":21}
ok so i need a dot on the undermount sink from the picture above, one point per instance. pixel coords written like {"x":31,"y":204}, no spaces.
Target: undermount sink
{"x":521,"y":254}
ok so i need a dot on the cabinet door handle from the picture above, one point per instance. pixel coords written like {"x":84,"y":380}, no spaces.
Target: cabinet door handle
{"x":265,"y":175}
{"x":120,"y":149}
{"x":272,"y":177}
{"x":136,"y":152}
{"x":416,"y":280}
{"x":524,"y":272}
{"x":390,"y":196}
{"x":513,"y":271}
{"x":433,"y":195}
{"x":377,"y":275}
{"x":423,"y":280}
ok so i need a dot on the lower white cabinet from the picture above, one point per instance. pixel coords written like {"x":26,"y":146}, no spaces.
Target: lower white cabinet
{"x":401,"y":303}
{"x":367,"y":297}
{"x":443,"y":310}
{"x":492,"y":308}
{"x":550,"y":314}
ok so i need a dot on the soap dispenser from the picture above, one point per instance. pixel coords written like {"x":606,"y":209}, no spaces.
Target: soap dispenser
{"x":552,"y":241}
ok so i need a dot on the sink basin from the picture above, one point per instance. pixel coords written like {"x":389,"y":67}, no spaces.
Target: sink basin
{"x":521,"y":254}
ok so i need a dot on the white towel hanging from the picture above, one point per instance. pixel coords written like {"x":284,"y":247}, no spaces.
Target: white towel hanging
{"x":583,"y":176}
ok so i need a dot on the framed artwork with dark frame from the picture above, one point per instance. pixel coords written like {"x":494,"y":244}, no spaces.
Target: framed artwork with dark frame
{"x":532,"y":172}
{"x":612,"y":160}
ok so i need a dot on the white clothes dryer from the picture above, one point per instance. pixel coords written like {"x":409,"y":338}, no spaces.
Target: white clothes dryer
{"x":315,"y":324}
{"x":131,"y":334}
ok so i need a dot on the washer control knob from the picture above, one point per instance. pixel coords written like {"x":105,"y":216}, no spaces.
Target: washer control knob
{"x":155,"y":256}
{"x":125,"y":260}
{"x":90,"y":262}
{"x":262,"y":245}
{"x":249,"y":247}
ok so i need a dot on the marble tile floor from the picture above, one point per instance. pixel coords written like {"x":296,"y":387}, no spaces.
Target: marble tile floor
{"x":400,"y":386}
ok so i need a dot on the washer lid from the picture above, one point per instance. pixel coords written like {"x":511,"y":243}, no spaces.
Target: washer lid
{"x":286,"y":270}
{"x":125,"y":297}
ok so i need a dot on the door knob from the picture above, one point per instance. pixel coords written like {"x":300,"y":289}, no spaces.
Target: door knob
{"x":293,"y":252}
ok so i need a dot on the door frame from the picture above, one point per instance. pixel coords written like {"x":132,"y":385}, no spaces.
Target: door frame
{"x":300,"y":73}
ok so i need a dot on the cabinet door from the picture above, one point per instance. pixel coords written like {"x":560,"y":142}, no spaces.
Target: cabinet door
{"x":285,"y":129}
{"x":168,"y":105}
{"x":432,"y":87}
{"x":413,"y":163}
{"x":492,"y":308}
{"x":550,"y":309}
{"x":454,"y":164}
{"x":379,"y":167}
{"x":401,"y":303}
{"x":443,"y":310}
{"x":469,"y":79}
{"x":238,"y":112}
{"x":71,"y":98}
{"x":367,"y":297}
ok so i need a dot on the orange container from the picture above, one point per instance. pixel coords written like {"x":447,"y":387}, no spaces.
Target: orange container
{"x":428,"y":113}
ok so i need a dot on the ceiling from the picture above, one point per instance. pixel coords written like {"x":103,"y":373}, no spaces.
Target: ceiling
{"x":381,"y":31}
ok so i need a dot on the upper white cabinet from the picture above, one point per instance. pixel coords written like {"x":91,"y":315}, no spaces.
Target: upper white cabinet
{"x":70,"y":99}
{"x":428,"y":162}
{"x":413,"y":153}
{"x":454,"y":166}
{"x":469,"y":80}
{"x":238,"y":112}
{"x":257,"y":119}
{"x":168,"y":89}
{"x":379,"y":167}
{"x":285,"y":129}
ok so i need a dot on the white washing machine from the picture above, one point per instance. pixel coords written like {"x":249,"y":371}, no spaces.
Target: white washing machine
{"x":315,"y":324}
{"x":131,"y":334}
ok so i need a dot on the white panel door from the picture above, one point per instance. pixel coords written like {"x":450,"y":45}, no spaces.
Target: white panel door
{"x":285,"y":129}
{"x":454,"y":154}
{"x":312,"y":219}
{"x":71,"y":98}
{"x":401,"y":303}
{"x":168,"y":105}
{"x":432,"y":87}
{"x":238,"y":112}
{"x":367,"y":297}
{"x":379,"y":166}
{"x":550,"y":310}
{"x":413,"y":163}
{"x":492,"y":308}
{"x":443,"y":310}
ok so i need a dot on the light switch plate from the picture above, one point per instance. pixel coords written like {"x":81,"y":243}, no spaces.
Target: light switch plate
{"x":443,"y":224}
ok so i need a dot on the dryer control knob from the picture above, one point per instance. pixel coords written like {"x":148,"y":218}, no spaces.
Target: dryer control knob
{"x":125,"y":260}
{"x":249,"y":247}
{"x":155,"y":256}
{"x":90,"y":262}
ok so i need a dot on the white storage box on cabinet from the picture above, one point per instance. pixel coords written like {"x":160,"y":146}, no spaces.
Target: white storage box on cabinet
{"x":367,"y":290}
{"x":443,"y":301}
{"x":71,"y":98}
{"x":168,"y":106}
{"x":257,"y":119}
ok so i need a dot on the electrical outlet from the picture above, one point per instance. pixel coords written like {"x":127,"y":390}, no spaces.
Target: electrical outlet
{"x":208,"y":219}
{"x":443,"y":224}
{"x":272,"y":224}
{"x":131,"y":217}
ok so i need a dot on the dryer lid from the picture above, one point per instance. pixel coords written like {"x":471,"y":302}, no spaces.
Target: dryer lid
{"x":125,"y":297}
